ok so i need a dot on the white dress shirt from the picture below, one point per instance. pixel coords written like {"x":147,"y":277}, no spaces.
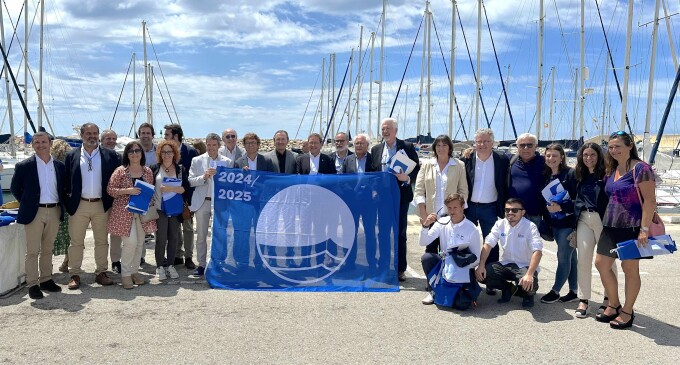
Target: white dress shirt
{"x":91,"y":172}
{"x":150,"y":156}
{"x":252,"y":164}
{"x":461,"y":235}
{"x":314,"y":163}
{"x":484,"y":186}
{"x":518,"y":243}
{"x":47,"y":179}
{"x":231,"y":155}
{"x":442,"y":178}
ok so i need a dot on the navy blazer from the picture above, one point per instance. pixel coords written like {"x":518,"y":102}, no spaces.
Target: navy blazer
{"x":26,"y":188}
{"x":334,"y":157}
{"x":405,"y":190}
{"x":73,"y":180}
{"x":326,"y":166}
{"x":501,"y":162}
{"x":349,"y":166}
{"x":602,"y":199}
{"x":263,"y":163}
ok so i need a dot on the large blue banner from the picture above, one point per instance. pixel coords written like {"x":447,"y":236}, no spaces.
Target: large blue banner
{"x":304,"y":233}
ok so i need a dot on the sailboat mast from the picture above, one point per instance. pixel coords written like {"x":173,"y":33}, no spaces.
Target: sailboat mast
{"x":604,"y":96}
{"x":505,"y":109}
{"x":12,"y":145}
{"x":323,"y":86}
{"x":646,"y":147}
{"x":134,"y":91}
{"x":332,"y":95}
{"x":429,"y":68}
{"x":370,"y":84}
{"x":479,"y":62}
{"x":147,"y":78}
{"x":670,"y":37}
{"x":360,"y":80}
{"x":573,"y":122}
{"x":626,"y":71}
{"x":453,"y":64}
{"x":382,"y":60}
{"x":422,"y":78}
{"x":26,"y":63}
{"x":539,"y":91}
{"x":40,"y":64}
{"x":583,"y":75}
{"x":552,"y":102}
{"x":349,"y":93}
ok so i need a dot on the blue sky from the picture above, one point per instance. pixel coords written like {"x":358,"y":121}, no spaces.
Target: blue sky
{"x":252,"y":65}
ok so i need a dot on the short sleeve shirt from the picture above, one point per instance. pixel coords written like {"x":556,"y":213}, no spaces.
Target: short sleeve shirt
{"x":625,"y":209}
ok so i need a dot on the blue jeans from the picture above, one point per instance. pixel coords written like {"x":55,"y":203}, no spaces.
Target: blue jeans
{"x":566,"y":261}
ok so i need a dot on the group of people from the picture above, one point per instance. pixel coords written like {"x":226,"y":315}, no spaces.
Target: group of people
{"x":91,"y":186}
{"x":610,"y":199}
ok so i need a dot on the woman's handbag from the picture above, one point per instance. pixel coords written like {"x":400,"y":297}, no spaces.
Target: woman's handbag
{"x":657,"y":227}
{"x":151,"y":215}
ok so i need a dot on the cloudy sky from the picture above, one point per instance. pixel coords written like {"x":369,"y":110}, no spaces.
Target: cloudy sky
{"x":256,"y":65}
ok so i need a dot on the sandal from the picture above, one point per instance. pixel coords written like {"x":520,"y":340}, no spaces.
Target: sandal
{"x":601,"y":317}
{"x":603,"y":306}
{"x":619,"y":325}
{"x":582,"y":312}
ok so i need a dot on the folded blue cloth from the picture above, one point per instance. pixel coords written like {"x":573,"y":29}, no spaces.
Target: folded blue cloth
{"x":6,"y":220}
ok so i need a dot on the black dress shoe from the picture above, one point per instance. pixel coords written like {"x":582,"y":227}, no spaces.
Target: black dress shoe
{"x":50,"y":286}
{"x":189,"y":263}
{"x":601,"y":317}
{"x":178,"y":261}
{"x":490,"y":291}
{"x":35,"y":293}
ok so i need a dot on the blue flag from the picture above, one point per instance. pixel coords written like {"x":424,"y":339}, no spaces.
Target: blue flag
{"x":304,"y":233}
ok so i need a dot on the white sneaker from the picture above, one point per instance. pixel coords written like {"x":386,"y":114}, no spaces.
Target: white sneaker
{"x":172,"y":272}
{"x":429,"y":299}
{"x":161,"y":273}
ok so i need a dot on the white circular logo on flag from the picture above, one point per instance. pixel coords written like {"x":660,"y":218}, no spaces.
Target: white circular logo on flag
{"x":305,"y":233}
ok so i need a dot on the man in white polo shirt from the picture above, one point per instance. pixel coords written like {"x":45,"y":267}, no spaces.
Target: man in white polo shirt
{"x":517,"y":271}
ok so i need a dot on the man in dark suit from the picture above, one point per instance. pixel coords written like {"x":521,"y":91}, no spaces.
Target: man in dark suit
{"x":282,"y":158}
{"x":486,"y":171}
{"x":382,"y":154}
{"x":37,"y":185}
{"x":253,"y":160}
{"x":173,"y":132}
{"x":314,"y":162}
{"x":88,"y":170}
{"x":341,"y":151}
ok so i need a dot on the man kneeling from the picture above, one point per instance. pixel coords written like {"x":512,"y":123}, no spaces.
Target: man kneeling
{"x":521,"y":248}
{"x":458,"y":238}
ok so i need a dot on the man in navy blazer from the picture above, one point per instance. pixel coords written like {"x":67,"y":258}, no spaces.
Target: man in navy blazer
{"x":322,"y":163}
{"x":88,"y":171}
{"x":37,"y":185}
{"x":487,"y":172}
{"x":253,"y":160}
{"x":382,"y":155}
{"x":341,"y":151}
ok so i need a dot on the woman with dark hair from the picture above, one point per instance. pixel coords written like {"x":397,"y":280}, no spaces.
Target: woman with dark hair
{"x":168,"y":155}
{"x":438,"y":178}
{"x":590,"y":203}
{"x":124,"y":223}
{"x":562,"y":224}
{"x":626,"y":218}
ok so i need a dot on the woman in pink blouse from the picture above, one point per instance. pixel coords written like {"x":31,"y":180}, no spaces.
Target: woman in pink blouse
{"x":124,"y":223}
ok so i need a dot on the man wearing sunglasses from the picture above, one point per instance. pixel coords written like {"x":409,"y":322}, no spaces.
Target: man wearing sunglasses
{"x":230,"y":150}
{"x":521,"y":246}
{"x":88,"y":170}
{"x":525,"y":178}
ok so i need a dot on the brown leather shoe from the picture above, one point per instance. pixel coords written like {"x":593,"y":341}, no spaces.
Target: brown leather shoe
{"x":137,"y":279}
{"x":103,"y":279}
{"x":74,"y":283}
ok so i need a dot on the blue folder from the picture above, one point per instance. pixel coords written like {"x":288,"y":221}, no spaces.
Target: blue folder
{"x":173,"y":203}
{"x":657,"y":245}
{"x":140,"y":203}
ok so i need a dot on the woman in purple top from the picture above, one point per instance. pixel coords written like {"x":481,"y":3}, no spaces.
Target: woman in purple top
{"x":626,"y":218}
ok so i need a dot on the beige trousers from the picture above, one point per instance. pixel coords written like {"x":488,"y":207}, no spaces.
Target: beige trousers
{"x":40,"y":236}
{"x":88,"y":213}
{"x":132,"y":247}
{"x":588,"y":233}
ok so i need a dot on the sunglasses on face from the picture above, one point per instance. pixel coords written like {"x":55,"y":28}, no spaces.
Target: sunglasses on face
{"x":513,"y":210}
{"x":135,"y":151}
{"x":525,"y":145}
{"x":230,"y":136}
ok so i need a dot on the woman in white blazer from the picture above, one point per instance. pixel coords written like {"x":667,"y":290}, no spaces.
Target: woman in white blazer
{"x":438,"y":178}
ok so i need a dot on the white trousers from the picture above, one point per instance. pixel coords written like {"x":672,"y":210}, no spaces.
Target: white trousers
{"x":203,"y":215}
{"x":588,"y":233}
{"x":131,"y":250}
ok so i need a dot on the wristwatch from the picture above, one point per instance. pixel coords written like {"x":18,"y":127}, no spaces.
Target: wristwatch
{"x":644,"y":229}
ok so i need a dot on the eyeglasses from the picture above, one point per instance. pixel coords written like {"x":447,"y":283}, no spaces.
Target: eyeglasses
{"x":618,"y":133}
{"x":230,"y":136}
{"x":483,"y":142}
{"x":250,"y":143}
{"x":136,"y":150}
{"x":167,"y":153}
{"x":513,"y":210}
{"x":525,"y":145}
{"x":339,"y":141}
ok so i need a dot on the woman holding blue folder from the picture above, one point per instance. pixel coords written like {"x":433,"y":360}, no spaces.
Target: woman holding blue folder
{"x":122,"y":222}
{"x":626,"y":218}
{"x":167,"y":236}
